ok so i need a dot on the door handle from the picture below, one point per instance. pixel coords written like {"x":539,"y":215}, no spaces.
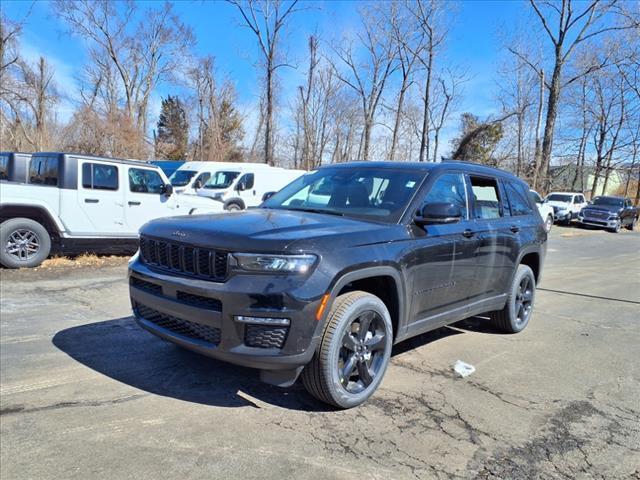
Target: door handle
{"x":515,"y":228}
{"x":468,"y":233}
{"x":134,"y":203}
{"x":91,"y":200}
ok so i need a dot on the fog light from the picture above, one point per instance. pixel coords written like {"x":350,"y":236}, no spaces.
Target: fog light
{"x":262,"y":320}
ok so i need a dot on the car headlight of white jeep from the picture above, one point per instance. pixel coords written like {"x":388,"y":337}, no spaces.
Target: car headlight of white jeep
{"x":253,"y":262}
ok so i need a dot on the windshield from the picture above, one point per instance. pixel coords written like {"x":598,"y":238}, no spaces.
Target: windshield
{"x":180,"y":178}
{"x":608,"y":201}
{"x":221,"y":180}
{"x":557,"y":197}
{"x":368,"y":193}
{"x":535,"y":197}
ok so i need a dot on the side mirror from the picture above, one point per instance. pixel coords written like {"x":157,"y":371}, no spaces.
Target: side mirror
{"x":438,"y":214}
{"x":197,"y":185}
{"x":267,"y":196}
{"x":167,"y":189}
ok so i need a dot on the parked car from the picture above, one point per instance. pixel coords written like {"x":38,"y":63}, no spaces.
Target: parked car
{"x":14,"y":166}
{"x":74,"y":203}
{"x":566,"y":205}
{"x":611,"y":213}
{"x":239,"y":187}
{"x":323,"y":286}
{"x":544,"y":209}
{"x":167,"y":166}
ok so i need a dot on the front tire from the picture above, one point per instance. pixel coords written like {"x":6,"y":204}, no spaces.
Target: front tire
{"x":353,"y":353}
{"x":515,"y":315}
{"x":233,"y":207}
{"x":632,"y":225}
{"x":616,"y":229}
{"x":548,"y":223}
{"x":24,"y":243}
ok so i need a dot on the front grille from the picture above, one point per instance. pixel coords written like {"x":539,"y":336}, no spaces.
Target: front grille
{"x":178,"y":326}
{"x":199,"y":301}
{"x":265,"y":336}
{"x":183,"y":259}
{"x":146,"y":286}
{"x":596,"y":214}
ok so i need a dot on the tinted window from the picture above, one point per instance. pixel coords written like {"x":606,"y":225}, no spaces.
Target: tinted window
{"x":221,"y":180}
{"x":486,"y":199}
{"x":43,"y":170}
{"x":535,"y":197}
{"x":180,"y":178}
{"x":203,"y":178}
{"x":609,"y":201}
{"x":558,"y":197}
{"x":248,"y":180}
{"x":4,"y":167}
{"x":518,"y":201}
{"x":369,"y":193}
{"x":145,"y":181}
{"x":449,"y":188}
{"x":98,"y":176}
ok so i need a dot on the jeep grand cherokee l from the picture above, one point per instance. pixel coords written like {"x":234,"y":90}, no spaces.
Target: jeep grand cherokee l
{"x":338,"y":266}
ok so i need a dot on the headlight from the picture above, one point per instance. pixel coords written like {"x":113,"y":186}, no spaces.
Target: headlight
{"x":275,"y":263}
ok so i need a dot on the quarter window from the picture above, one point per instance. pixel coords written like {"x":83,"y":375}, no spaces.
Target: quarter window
{"x":519,"y":203}
{"x":97,"y":176}
{"x":449,"y":188}
{"x":145,"y":181}
{"x":4,"y":167}
{"x":486,"y":199}
{"x":43,"y":170}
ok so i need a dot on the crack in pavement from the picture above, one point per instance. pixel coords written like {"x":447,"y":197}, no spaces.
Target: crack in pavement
{"x":21,"y":409}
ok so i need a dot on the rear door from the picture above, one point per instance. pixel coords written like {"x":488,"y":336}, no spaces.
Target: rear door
{"x":144,"y":199}
{"x":100,"y":196}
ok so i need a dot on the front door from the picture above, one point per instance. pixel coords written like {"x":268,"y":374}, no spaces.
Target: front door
{"x":441,"y":265}
{"x":145,"y":199}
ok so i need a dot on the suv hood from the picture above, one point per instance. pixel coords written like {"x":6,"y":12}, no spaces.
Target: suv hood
{"x":555,"y":203}
{"x":262,"y":230}
{"x":604,"y":208}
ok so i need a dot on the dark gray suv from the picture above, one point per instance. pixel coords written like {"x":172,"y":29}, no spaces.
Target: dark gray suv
{"x":341,"y":264}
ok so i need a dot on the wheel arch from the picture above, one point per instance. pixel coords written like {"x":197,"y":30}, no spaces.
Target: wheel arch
{"x":532,"y":259}
{"x":33,"y":212}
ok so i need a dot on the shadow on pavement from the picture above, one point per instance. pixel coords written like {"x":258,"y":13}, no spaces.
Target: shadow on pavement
{"x":121,"y":350}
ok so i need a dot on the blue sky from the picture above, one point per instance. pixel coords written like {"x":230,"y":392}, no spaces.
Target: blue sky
{"x":474,"y":42}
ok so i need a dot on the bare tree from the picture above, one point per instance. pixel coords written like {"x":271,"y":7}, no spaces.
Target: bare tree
{"x":447,"y":95}
{"x":267,"y":19}
{"x":367,"y":69}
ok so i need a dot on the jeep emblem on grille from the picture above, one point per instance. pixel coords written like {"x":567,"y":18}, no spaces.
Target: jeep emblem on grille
{"x":178,"y":233}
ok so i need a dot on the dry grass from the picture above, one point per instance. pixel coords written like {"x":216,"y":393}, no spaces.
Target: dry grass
{"x":83,"y":261}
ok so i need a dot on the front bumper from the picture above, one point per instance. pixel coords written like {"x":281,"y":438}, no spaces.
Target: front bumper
{"x":562,"y":216}
{"x":598,"y":222}
{"x":200,"y":315}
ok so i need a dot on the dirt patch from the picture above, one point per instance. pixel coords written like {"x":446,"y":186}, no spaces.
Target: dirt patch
{"x":83,"y":261}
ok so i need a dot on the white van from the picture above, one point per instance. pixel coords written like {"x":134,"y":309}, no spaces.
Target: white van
{"x":192,"y":176}
{"x":242,"y":185}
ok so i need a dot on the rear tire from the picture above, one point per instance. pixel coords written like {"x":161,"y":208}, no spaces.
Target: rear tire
{"x":616,"y":229}
{"x":349,"y":363}
{"x":24,"y":243}
{"x":632,"y":225}
{"x":515,"y":315}
{"x":548,"y":223}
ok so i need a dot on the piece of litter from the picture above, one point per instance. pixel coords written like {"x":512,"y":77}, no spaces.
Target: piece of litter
{"x":463,"y":369}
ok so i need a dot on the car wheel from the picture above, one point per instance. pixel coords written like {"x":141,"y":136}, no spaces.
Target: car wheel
{"x":233,"y":207}
{"x":548,"y":223}
{"x":515,"y":315}
{"x":632,"y":225}
{"x":23,"y":243}
{"x":353,"y":353}
{"x":616,"y":229}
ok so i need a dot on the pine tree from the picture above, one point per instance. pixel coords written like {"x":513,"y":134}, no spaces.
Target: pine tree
{"x":172,"y":137}
{"x":478,"y":140}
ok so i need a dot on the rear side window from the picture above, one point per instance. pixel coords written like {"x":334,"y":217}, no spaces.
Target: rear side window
{"x":449,"y":188}
{"x":4,"y":167}
{"x":142,"y":180}
{"x":518,"y":200}
{"x":44,"y":171}
{"x":98,"y":176}
{"x":486,"y":199}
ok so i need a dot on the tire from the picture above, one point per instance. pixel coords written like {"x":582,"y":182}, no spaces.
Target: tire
{"x":632,"y":225}
{"x":233,"y":207}
{"x":567,"y":221}
{"x":548,"y":223}
{"x":23,"y":243}
{"x":512,"y":318}
{"x":344,"y":349}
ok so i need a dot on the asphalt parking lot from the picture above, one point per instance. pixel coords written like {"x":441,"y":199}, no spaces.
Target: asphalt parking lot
{"x":85,"y":393}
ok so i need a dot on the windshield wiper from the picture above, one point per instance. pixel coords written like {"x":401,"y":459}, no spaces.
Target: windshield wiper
{"x":318,"y":210}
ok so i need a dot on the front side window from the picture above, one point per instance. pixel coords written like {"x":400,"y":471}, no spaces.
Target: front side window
{"x":43,"y":170}
{"x":4,"y":167}
{"x":97,"y":176}
{"x":203,"y":178}
{"x":517,"y":200}
{"x":180,"y":178}
{"x":449,"y":188}
{"x":142,"y":180}
{"x":486,"y":199}
{"x":247,"y":181}
{"x":221,"y":180}
{"x":380,"y":194}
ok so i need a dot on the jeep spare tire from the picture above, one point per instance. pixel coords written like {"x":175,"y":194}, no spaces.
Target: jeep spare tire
{"x":23,"y":243}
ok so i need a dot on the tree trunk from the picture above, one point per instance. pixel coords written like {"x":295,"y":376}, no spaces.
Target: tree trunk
{"x":268,"y":157}
{"x":424,"y":140}
{"x":398,"y":119}
{"x":538,"y":148}
{"x":550,"y":122}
